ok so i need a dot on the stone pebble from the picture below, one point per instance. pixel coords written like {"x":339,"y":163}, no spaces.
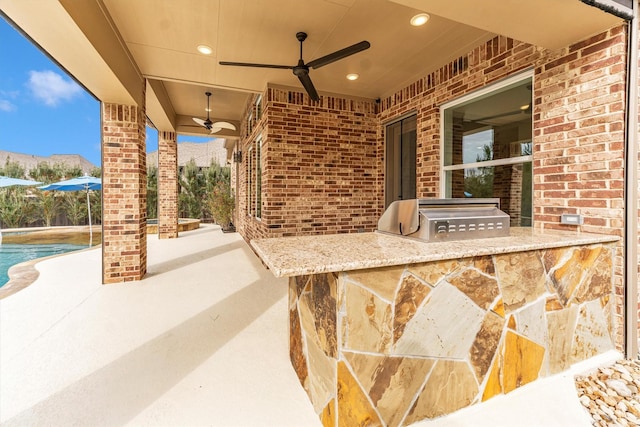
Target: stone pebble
{"x":610,"y":395}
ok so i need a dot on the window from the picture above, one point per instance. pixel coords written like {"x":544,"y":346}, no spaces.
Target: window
{"x":487,"y":147}
{"x":258,"y":208}
{"x":258,"y":107}
{"x":250,"y":124}
{"x":400,"y":160}
{"x":250,"y":180}
{"x":254,"y":179}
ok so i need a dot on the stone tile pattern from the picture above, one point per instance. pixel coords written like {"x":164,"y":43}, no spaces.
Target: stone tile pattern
{"x":167,"y":185}
{"x":124,"y":193}
{"x":611,"y":395}
{"x":395,"y":345}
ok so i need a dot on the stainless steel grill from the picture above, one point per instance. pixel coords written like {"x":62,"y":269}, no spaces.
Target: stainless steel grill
{"x":445,"y":219}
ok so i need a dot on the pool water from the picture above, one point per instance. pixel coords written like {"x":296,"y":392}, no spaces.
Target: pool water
{"x":12,"y":254}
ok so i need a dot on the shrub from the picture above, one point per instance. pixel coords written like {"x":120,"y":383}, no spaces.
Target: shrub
{"x":221,"y":204}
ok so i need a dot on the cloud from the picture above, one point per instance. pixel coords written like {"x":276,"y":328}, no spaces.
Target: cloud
{"x":6,"y":106}
{"x":52,"y":88}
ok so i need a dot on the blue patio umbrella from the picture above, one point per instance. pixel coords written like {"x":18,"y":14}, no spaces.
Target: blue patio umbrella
{"x":83,"y":183}
{"x":6,"y":181}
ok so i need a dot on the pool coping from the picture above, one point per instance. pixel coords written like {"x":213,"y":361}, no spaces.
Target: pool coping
{"x":24,"y":274}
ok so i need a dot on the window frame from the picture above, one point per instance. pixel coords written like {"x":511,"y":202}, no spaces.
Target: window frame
{"x":258,"y":178}
{"x":258,"y":108}
{"x":487,"y":90}
{"x":250,"y":169}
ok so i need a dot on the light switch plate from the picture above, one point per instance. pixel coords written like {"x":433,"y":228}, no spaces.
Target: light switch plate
{"x":571,"y":219}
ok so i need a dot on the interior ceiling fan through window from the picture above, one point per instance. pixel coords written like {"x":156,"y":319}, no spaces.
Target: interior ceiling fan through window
{"x":302,"y":70}
{"x":212,"y":127}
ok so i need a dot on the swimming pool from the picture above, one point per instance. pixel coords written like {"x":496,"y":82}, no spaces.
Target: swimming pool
{"x":12,"y":254}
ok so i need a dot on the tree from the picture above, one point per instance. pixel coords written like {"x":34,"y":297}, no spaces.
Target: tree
{"x":16,"y":209}
{"x":48,"y":206}
{"x":46,"y":173}
{"x":479,"y":182}
{"x":75,"y":206}
{"x":152,"y":192}
{"x":214,"y":174}
{"x":95,"y":200}
{"x":192,"y":185}
{"x":221,"y":204}
{"x":96,"y":172}
{"x":12,"y":169}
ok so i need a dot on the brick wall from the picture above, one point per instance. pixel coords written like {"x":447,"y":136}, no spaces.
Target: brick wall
{"x":167,"y":185}
{"x":578,"y":122}
{"x":579,"y":142}
{"x":321,"y":166}
{"x":124,"y":193}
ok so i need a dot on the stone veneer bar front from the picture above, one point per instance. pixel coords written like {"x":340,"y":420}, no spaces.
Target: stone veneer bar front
{"x":388,"y":331}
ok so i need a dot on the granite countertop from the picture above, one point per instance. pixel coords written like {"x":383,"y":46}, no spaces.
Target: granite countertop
{"x":294,"y":256}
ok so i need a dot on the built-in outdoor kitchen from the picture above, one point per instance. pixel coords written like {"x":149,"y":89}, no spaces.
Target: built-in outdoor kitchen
{"x":443,"y":307}
{"x":454,"y":240}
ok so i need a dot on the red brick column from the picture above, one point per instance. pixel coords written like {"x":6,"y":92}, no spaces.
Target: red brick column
{"x":124,"y":193}
{"x":167,"y":185}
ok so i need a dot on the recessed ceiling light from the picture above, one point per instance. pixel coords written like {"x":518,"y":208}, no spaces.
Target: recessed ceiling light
{"x":352,"y":76}
{"x":207,"y":109}
{"x":205,"y":50}
{"x":525,"y":107}
{"x":420,"y":19}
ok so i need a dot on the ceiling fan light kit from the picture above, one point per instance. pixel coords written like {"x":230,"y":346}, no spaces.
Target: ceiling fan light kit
{"x":208,"y":124}
{"x":301,"y":70}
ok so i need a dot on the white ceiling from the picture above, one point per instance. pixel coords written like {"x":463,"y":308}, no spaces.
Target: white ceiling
{"x":109,"y":44}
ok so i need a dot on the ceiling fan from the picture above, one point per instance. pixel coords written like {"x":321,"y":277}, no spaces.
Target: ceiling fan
{"x":212,"y":127}
{"x":302,"y":70}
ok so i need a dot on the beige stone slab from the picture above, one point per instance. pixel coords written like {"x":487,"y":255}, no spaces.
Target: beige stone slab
{"x":592,"y":332}
{"x":531,"y":321}
{"x":368,"y":320}
{"x":523,"y":361}
{"x":294,"y":256}
{"x":354,"y":408}
{"x":445,"y":326}
{"x":482,"y":289}
{"x":322,"y":376}
{"x":483,"y":350}
{"x":391,"y":382}
{"x":451,"y":386}
{"x":408,"y":299}
{"x":434,"y":272}
{"x":560,"y":327}
{"x":382,"y":281}
{"x":522,"y":279}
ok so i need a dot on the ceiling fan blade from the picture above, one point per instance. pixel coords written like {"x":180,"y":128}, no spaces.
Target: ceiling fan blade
{"x":339,"y":54}
{"x":224,"y":125}
{"x":247,"y":64}
{"x":215,"y":129}
{"x":200,"y":122}
{"x":308,"y":86}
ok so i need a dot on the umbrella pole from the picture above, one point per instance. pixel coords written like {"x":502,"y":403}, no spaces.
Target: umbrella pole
{"x":90,"y":229}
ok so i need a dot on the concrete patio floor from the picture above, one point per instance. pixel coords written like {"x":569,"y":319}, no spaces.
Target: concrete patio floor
{"x":202,"y":340}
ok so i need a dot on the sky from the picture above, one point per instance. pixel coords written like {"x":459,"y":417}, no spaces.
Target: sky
{"x":43,"y":111}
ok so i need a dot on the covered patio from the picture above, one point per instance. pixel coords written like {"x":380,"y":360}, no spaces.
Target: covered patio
{"x":563,"y":142}
{"x":179,"y":349}
{"x":141,"y":60}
